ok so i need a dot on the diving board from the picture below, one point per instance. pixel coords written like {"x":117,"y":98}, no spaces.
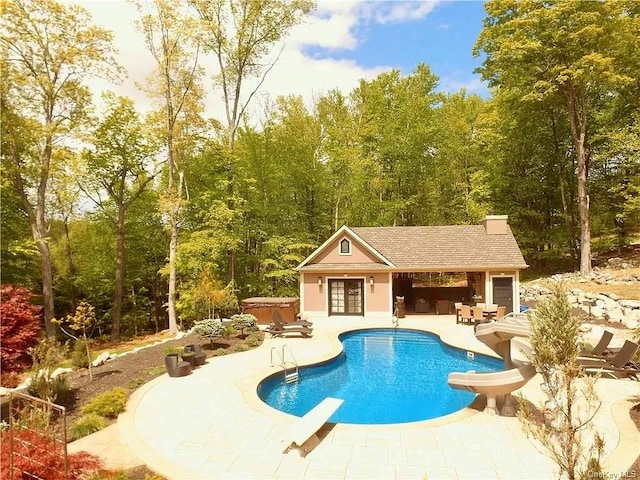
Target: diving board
{"x":302,"y":434}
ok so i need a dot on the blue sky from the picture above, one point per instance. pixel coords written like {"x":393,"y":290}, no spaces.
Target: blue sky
{"x":338,"y":44}
{"x":443,"y":39}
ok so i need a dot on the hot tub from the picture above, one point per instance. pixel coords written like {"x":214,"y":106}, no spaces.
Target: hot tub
{"x":263,"y":308}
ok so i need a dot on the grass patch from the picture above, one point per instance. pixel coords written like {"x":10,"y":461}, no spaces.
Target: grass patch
{"x":135,"y":383}
{"x":128,"y":345}
{"x":156,"y":371}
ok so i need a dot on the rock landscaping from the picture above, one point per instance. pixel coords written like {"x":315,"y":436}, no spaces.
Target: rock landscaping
{"x":603,"y":306}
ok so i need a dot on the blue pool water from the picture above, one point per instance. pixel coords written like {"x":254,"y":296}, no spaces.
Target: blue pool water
{"x":384,"y":376}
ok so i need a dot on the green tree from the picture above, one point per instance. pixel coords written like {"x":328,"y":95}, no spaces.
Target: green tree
{"x":574,"y":53}
{"x":572,"y":400}
{"x":82,"y":323}
{"x":241,"y":53}
{"x":50,"y":50}
{"x":121,"y":164}
{"x":168,"y":32}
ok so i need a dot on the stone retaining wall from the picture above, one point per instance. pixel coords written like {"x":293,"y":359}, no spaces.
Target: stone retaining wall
{"x":600,"y":305}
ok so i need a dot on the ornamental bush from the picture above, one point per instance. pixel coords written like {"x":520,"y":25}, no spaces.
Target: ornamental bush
{"x":88,"y":424}
{"x":210,"y":328}
{"x":20,"y":324}
{"x":242,"y":321}
{"x":108,"y":404}
{"x":39,"y":456}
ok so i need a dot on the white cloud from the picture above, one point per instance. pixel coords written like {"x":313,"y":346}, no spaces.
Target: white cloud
{"x":473,"y":85}
{"x":334,"y":26}
{"x":402,"y":11}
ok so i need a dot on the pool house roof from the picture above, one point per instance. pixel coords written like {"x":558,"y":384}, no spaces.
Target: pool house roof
{"x":488,"y":246}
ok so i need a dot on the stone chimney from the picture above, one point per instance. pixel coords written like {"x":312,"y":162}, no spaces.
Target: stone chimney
{"x":495,"y":224}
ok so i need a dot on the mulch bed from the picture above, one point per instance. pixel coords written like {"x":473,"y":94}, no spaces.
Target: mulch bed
{"x":131,"y":372}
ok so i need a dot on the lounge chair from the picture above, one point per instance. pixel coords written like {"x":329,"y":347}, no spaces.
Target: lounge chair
{"x":618,"y":366}
{"x":276,"y":319}
{"x":300,"y":320}
{"x":600,"y":350}
{"x":278,"y":329}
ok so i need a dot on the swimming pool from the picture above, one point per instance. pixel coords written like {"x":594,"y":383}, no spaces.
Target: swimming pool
{"x":384,"y":376}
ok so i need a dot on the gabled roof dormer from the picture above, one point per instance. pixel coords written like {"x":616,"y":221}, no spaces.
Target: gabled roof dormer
{"x":346,"y":241}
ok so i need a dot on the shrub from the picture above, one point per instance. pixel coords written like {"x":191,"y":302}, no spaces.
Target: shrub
{"x":9,"y":379}
{"x":253,"y":340}
{"x":20,"y":324}
{"x":30,"y":445}
{"x":79,"y":357}
{"x":171,"y":350}
{"x":108,"y":404}
{"x":82,"y":323}
{"x":88,"y":424}
{"x":45,"y":356}
{"x":241,"y":347}
{"x":210,"y":328}
{"x":242,"y":321}
{"x":566,"y":434}
{"x":229,"y":331}
{"x":218,"y":352}
{"x":51,"y":389}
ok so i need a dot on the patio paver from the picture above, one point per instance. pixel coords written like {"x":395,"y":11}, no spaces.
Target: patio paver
{"x":211,"y":424}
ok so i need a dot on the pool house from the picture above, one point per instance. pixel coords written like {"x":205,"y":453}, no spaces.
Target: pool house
{"x":368,"y":271}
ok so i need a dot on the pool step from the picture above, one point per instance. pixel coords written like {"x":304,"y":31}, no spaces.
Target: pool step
{"x":291,"y":377}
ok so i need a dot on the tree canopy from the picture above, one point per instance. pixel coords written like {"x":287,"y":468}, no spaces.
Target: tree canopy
{"x":226,"y":208}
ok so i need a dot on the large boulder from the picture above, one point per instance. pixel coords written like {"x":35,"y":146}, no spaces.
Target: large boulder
{"x":102,"y":358}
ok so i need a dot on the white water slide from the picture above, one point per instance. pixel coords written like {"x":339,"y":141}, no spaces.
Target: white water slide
{"x":498,"y":336}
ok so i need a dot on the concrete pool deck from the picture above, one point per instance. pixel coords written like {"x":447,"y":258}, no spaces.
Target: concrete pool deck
{"x":212,"y":425}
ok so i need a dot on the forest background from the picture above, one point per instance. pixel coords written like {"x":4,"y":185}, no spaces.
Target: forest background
{"x":160,"y":219}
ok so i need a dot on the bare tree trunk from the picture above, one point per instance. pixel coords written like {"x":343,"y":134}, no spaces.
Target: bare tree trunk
{"x":583,"y":208}
{"x":40,"y":237}
{"x":173,"y":254}
{"x":119,"y":280}
{"x":578,"y":123}
{"x":70,"y":265}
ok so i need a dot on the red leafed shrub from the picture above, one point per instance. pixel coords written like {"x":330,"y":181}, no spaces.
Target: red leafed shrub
{"x":20,"y":324}
{"x":37,"y":456}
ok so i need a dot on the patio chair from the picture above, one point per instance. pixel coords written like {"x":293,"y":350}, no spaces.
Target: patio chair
{"x":491,"y":307}
{"x":442,"y":307}
{"x":600,"y":350}
{"x":618,"y":366}
{"x":479,"y":317}
{"x":465,"y":314}
{"x":199,"y":356}
{"x":457,"y":306}
{"x":501,"y":312}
